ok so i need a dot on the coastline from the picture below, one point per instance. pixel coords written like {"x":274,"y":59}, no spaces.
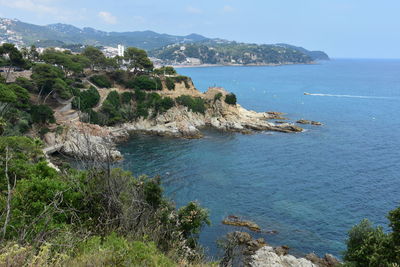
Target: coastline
{"x":238,"y":65}
{"x":92,"y":141}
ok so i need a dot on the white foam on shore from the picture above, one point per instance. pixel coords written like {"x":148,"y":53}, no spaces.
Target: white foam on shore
{"x":355,"y":96}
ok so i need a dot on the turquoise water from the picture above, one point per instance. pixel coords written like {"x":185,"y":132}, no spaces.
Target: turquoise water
{"x":311,"y":187}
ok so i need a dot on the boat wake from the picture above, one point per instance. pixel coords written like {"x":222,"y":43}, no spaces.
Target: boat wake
{"x":352,"y":96}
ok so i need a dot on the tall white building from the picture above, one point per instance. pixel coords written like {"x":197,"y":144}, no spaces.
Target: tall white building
{"x":121,"y":50}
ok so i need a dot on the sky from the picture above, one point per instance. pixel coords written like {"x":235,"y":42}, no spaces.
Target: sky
{"x":342,"y":28}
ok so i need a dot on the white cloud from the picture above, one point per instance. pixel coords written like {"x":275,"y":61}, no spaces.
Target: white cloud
{"x":194,"y":10}
{"x":35,"y":6}
{"x":107,"y":17}
{"x":227,"y":9}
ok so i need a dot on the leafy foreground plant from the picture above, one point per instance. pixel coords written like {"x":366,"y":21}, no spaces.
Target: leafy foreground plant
{"x":99,"y":216}
{"x":371,"y":246}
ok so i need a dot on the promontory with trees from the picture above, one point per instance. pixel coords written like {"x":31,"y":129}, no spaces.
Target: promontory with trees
{"x":81,"y":104}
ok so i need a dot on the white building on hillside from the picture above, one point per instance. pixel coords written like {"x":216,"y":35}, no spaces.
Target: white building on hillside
{"x":121,"y":50}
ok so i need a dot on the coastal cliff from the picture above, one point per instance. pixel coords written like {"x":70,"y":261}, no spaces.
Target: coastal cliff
{"x":92,"y":141}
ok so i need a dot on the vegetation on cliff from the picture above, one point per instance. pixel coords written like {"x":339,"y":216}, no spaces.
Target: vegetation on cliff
{"x":101,"y":214}
{"x":97,"y":215}
{"x":213,"y":52}
{"x":372,"y":246}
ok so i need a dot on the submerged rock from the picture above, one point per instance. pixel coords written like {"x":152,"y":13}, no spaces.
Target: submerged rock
{"x":302,"y":121}
{"x":236,"y":221}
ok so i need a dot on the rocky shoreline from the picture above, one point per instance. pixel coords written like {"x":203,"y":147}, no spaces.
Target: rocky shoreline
{"x":90,"y":141}
{"x":242,"y":250}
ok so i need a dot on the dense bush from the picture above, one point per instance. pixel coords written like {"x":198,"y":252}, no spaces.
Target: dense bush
{"x":165,"y":71}
{"x":195,"y":104}
{"x":108,"y":209}
{"x":42,"y":114}
{"x":26,"y":83}
{"x":371,"y":246}
{"x":86,"y":99}
{"x":217,"y":96}
{"x":127,"y":97}
{"x":22,"y":95}
{"x":113,"y":250}
{"x":145,"y":82}
{"x":185,"y":79}
{"x":101,"y":81}
{"x":119,"y":76}
{"x":170,"y":83}
{"x":164,"y":104}
{"x":91,"y":116}
{"x":230,"y":99}
{"x":111,"y":107}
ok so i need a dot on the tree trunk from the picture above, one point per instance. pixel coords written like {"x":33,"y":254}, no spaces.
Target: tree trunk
{"x":9,"y":195}
{"x":8,"y":73}
{"x":44,"y":101}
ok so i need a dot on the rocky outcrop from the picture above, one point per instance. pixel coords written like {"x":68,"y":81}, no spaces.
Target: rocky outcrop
{"x":239,"y":247}
{"x":327,"y":261}
{"x":242,"y":250}
{"x":95,"y":142}
{"x":302,"y":121}
{"x":269,"y":257}
{"x":181,"y":122}
{"x":84,"y":141}
{"x":236,"y":221}
{"x":279,"y":257}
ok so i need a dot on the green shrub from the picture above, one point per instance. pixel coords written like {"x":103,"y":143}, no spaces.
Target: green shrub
{"x":367,"y":246}
{"x":78,"y":85}
{"x":42,"y":114}
{"x":127,"y":97}
{"x":170,"y":83}
{"x":145,"y":82}
{"x":91,"y":116}
{"x":43,"y":131}
{"x":101,"y":81}
{"x":141,"y":111}
{"x":193,"y":218}
{"x":185,"y":79}
{"x":114,"y":99}
{"x":61,"y":88}
{"x":165,"y":71}
{"x":26,"y":83}
{"x":165,"y":104}
{"x":371,"y":246}
{"x":140,"y":95}
{"x":22,"y":95}
{"x":230,"y":99}
{"x":122,"y":220}
{"x":119,"y":76}
{"x":113,"y":250}
{"x":195,"y":104}
{"x":217,"y":96}
{"x":87,"y":99}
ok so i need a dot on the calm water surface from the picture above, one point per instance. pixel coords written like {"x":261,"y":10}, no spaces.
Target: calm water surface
{"x":310,"y":187}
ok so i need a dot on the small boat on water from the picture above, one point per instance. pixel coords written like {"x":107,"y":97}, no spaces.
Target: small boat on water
{"x":305,"y":93}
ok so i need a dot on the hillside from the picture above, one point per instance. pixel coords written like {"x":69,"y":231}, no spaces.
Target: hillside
{"x":21,"y":33}
{"x":168,"y":48}
{"x":224,"y":52}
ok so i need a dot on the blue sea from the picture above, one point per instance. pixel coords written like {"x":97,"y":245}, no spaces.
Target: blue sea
{"x":311,"y":187}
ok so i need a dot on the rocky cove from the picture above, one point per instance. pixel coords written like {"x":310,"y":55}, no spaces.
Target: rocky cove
{"x":94,"y":142}
{"x":99,"y":142}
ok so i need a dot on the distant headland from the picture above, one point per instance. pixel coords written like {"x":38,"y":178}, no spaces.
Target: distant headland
{"x":163,"y":49}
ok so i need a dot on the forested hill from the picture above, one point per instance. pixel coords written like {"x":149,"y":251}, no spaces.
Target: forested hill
{"x":21,"y":33}
{"x":224,"y":52}
{"x":166,"y":47}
